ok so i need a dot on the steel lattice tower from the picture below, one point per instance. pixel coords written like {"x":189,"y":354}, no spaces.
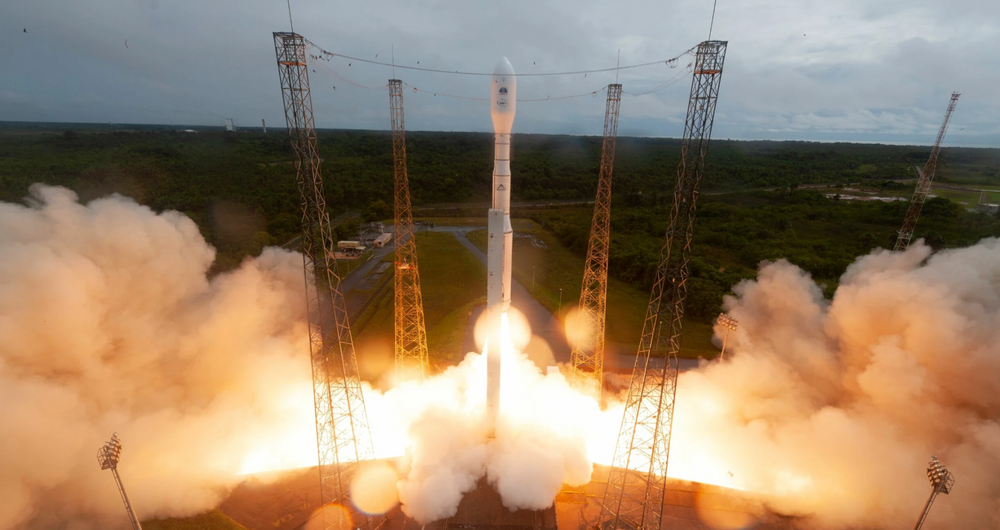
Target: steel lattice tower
{"x":924,"y":178}
{"x":342,"y":434}
{"x":637,"y":483}
{"x":411,"y":335}
{"x":587,"y":355}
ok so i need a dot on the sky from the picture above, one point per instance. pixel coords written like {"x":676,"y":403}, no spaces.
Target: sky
{"x":836,"y":70}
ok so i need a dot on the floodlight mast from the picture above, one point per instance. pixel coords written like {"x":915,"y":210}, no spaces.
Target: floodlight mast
{"x":941,"y":482}
{"x":730,"y":324}
{"x":108,"y":456}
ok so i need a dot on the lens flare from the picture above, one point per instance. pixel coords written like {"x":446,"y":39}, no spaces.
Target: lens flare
{"x":579,"y":328}
{"x":726,"y":512}
{"x":373,"y":488}
{"x":515,"y":328}
{"x":330,"y":517}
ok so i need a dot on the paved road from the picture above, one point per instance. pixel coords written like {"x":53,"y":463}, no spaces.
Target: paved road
{"x":543,"y":323}
{"x":358,"y":280}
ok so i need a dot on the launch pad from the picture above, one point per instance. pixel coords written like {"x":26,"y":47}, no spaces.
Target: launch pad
{"x":288,"y":500}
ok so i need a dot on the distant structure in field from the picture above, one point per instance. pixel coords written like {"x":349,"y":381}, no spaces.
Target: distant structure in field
{"x":229,"y":124}
{"x":986,"y":207}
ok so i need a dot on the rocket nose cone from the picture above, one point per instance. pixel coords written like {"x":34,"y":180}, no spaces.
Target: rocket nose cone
{"x":503,"y":67}
{"x":504,"y":97}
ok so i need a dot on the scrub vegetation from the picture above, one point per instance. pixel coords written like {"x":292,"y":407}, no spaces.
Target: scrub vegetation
{"x":760,"y":201}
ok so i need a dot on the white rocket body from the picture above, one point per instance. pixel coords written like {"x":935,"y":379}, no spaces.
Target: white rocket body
{"x":503,"y":104}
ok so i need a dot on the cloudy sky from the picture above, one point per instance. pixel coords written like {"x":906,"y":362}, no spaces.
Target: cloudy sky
{"x":855,"y":70}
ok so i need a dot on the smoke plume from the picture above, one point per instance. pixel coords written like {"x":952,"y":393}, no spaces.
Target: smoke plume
{"x":832,"y":409}
{"x":109,"y":323}
{"x":829,"y":409}
{"x":545,"y":437}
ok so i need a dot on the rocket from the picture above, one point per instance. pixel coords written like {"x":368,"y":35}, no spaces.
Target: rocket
{"x":503,"y":103}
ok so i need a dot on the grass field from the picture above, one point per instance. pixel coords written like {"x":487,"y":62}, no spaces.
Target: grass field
{"x":453,"y":221}
{"x":544,"y":266}
{"x":452,"y":282}
{"x":213,"y":520}
{"x":968,"y":198}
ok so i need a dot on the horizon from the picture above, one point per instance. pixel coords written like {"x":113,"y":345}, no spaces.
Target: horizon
{"x":241,"y":128}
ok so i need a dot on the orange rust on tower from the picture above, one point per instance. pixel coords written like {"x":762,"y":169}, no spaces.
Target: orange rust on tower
{"x":410,"y":331}
{"x":587,"y":354}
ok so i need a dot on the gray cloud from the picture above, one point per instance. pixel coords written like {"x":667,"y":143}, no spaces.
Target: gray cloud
{"x":810,"y":69}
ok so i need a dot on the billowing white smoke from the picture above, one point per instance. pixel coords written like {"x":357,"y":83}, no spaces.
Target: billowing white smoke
{"x":108,"y":323}
{"x":833,"y":408}
{"x":546,"y":436}
{"x":830,"y":408}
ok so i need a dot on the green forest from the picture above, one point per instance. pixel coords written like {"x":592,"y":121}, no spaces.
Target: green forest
{"x":758,"y":202}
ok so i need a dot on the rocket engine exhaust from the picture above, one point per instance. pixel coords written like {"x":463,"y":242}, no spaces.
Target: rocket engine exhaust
{"x":503,"y":104}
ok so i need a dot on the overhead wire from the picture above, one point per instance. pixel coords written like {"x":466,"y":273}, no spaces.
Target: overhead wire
{"x":443,"y":94}
{"x":549,"y":98}
{"x":520,"y":100}
{"x":344,"y":78}
{"x":666,"y":84}
{"x":325,"y":56}
{"x":461,"y":72}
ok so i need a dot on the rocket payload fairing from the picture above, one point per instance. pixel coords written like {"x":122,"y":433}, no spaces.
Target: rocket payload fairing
{"x":503,"y":104}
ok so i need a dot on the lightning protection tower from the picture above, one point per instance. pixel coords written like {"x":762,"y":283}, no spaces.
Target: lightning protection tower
{"x":108,"y":456}
{"x":637,"y":483}
{"x":924,"y":178}
{"x":411,"y":335}
{"x":587,"y":354}
{"x":342,"y":434}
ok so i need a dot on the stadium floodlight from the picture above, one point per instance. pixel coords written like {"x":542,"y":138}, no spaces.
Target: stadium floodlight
{"x":730,"y":324}
{"x":941,"y":482}
{"x":108,"y":456}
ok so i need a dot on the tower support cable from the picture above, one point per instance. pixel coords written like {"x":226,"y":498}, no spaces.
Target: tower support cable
{"x":924,"y":179}
{"x":410,"y":331}
{"x":637,"y":482}
{"x":343,"y":437}
{"x":587,"y":354}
